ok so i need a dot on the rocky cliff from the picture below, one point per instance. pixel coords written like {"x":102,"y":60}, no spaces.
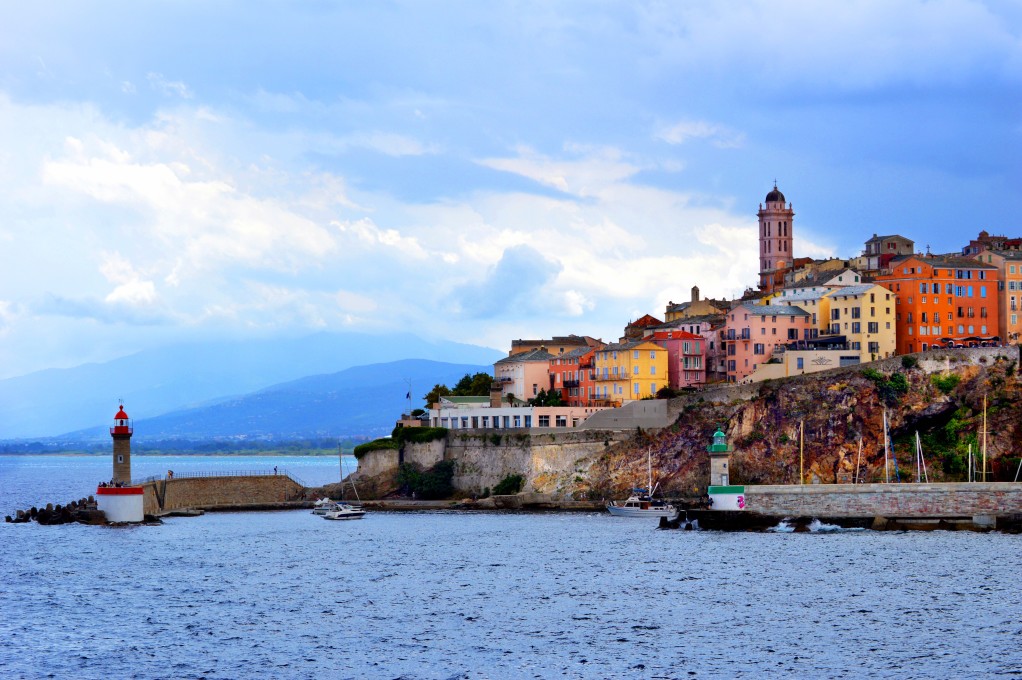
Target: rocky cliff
{"x":940,"y":396}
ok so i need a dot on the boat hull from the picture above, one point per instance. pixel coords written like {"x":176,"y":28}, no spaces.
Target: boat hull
{"x":653,"y":511}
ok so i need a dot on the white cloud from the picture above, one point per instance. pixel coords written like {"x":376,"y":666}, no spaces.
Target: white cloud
{"x":168,"y":88}
{"x":719,"y":135}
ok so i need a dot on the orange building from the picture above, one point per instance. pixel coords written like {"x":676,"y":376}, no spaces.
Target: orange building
{"x":940,"y":300}
{"x":571,"y":375}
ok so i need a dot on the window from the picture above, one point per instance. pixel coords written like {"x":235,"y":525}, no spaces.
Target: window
{"x":635,"y":388}
{"x":535,"y":389}
{"x":874,"y":347}
{"x":562,"y":421}
{"x":518,"y":421}
{"x":872,"y":327}
{"x":652,"y":354}
{"x":635,"y":370}
{"x":856,"y":312}
{"x":759,"y":348}
{"x":856,"y":327}
{"x":635,"y":354}
{"x":652,"y":370}
{"x":800,"y":363}
{"x":528,"y":421}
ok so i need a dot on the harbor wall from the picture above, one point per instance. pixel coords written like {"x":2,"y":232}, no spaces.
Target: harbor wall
{"x":886,"y":500}
{"x":211,"y":493}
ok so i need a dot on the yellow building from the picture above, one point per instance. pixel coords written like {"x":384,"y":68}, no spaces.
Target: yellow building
{"x":629,"y":371}
{"x":864,"y":314}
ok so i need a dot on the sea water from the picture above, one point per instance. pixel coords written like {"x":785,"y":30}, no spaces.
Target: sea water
{"x":487,"y":595}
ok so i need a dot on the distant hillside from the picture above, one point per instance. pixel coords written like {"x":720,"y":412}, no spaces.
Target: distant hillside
{"x":359,"y":401}
{"x":51,"y":402}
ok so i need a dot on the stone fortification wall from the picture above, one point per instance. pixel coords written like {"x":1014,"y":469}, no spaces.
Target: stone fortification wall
{"x":886,"y":500}
{"x":549,"y":462}
{"x":426,"y":455}
{"x":219,"y":492}
{"x":377,"y":462}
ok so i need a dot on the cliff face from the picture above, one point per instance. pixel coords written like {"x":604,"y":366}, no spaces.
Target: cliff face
{"x":941,"y":398}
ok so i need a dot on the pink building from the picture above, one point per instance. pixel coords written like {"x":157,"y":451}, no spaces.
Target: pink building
{"x":754,"y":332}
{"x":709,"y":327}
{"x":686,"y":357}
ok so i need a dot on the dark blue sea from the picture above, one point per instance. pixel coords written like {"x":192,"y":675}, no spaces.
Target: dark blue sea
{"x":484,"y":595}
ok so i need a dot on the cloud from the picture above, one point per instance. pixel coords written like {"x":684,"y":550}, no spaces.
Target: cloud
{"x":168,"y":88}
{"x":590,"y":171}
{"x":719,"y":135}
{"x":517,"y":285}
{"x":364,"y":231}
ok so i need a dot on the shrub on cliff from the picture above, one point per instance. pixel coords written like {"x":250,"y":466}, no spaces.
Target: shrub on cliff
{"x":432,"y":484}
{"x":510,"y":485}
{"x":888,"y":388}
{"x":375,"y":445}
{"x":418,"y":435}
{"x":946,"y":383}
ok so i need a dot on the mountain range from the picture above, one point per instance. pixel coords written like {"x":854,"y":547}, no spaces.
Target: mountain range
{"x":246,"y":388}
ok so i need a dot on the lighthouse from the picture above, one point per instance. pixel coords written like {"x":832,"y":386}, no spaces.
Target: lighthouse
{"x":120,"y":501}
{"x":121,"y":433}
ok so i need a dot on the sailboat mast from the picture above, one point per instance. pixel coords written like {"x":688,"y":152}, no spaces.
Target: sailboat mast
{"x":649,"y":471}
{"x":858,"y":461}
{"x":801,"y":452}
{"x":984,"y":437}
{"x":887,"y":465}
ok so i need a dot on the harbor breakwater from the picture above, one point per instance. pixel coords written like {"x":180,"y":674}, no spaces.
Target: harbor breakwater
{"x":226,"y":492}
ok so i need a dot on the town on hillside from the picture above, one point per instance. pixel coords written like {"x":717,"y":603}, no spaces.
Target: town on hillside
{"x":806,"y":316}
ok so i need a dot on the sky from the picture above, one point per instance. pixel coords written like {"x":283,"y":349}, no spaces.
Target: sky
{"x":474,"y":171}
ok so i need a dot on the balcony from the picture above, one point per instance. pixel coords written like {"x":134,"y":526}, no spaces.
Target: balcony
{"x":571,"y":383}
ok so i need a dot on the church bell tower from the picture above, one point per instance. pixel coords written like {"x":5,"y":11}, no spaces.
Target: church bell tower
{"x":775,"y":224}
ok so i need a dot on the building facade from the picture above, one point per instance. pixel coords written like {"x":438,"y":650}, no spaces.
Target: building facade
{"x":864,"y":314}
{"x":629,"y":371}
{"x":524,"y":374}
{"x":754,"y":332}
{"x":571,"y":376}
{"x":686,"y":357}
{"x":942,"y":300}
{"x":1009,"y":292}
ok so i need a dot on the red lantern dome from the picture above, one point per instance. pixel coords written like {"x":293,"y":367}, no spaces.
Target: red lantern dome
{"x":122,"y":425}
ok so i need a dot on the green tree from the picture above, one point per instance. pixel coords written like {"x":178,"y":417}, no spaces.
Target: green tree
{"x":433,"y":396}
{"x":477,"y":385}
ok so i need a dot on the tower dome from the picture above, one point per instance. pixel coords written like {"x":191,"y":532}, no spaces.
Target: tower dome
{"x":775,"y":196}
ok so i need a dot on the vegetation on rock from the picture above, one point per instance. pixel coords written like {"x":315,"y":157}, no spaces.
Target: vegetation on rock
{"x":511,"y":484}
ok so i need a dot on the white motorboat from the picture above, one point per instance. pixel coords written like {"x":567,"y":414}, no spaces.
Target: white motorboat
{"x":323,"y":506}
{"x":346,"y":511}
{"x":641,"y":503}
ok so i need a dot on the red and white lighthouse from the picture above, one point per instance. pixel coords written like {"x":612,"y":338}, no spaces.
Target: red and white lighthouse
{"x":120,"y":501}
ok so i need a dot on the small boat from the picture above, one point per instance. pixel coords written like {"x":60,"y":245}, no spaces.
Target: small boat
{"x":323,"y":506}
{"x":345,"y":511}
{"x":641,"y":503}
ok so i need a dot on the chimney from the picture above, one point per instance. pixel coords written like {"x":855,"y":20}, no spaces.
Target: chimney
{"x":496,"y":395}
